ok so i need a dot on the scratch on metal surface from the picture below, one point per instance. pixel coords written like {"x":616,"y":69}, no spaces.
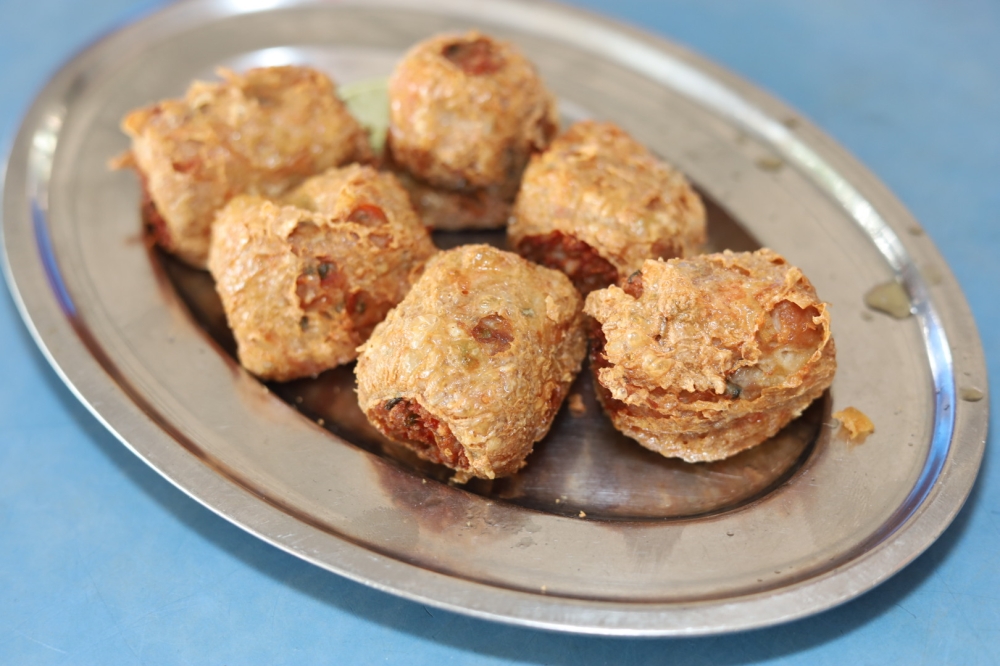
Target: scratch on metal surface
{"x":35,"y":640}
{"x":947,"y":587}
{"x":273,"y":612}
{"x":117,"y":623}
{"x":142,"y":639}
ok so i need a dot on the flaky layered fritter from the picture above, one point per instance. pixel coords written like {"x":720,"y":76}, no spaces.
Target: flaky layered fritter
{"x":259,"y":133}
{"x":304,"y":284}
{"x":596,"y":204}
{"x":702,"y":358}
{"x":471,"y":368}
{"x":466,"y":113}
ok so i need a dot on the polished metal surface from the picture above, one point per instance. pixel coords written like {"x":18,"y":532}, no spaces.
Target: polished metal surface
{"x":595,"y":536}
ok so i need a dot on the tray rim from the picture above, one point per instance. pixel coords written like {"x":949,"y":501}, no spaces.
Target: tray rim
{"x":45,"y":305}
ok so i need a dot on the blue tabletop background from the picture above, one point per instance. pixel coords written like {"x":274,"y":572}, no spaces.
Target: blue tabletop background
{"x":104,"y":562}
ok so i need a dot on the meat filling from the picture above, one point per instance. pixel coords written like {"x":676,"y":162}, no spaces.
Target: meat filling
{"x":633,"y":285}
{"x":323,"y":288}
{"x":368,"y":215}
{"x":579,"y":261}
{"x":365,"y":312}
{"x":476,"y":57}
{"x":320,"y":286}
{"x":405,"y":420}
{"x":494,"y":332}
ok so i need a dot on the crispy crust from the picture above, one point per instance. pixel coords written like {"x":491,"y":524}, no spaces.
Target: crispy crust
{"x":855,"y":422}
{"x":466,"y":113}
{"x":304,"y":284}
{"x":705,"y":357}
{"x":603,"y":190}
{"x":479,"y":355}
{"x":259,"y":133}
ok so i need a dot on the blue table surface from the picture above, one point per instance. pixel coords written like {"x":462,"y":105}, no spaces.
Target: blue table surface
{"x":104,"y":562}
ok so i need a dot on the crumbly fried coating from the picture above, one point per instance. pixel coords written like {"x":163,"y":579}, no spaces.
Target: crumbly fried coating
{"x":466,"y":113}
{"x":259,"y":133}
{"x":702,"y":358}
{"x":855,"y":422}
{"x":303,"y":284}
{"x":596,"y":204}
{"x":471,"y":368}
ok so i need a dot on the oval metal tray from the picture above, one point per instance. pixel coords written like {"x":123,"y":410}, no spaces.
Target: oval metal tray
{"x":595,"y":535}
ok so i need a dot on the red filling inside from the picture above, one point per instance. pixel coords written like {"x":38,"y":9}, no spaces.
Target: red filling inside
{"x":633,"y":285}
{"x":368,"y":215}
{"x":320,"y":286}
{"x":406,"y":421}
{"x":494,"y":332}
{"x":578,"y":260}
{"x":476,"y":58}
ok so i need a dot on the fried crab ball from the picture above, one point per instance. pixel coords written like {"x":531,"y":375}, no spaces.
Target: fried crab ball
{"x":466,"y":113}
{"x":471,"y":368}
{"x":702,"y":358}
{"x":596,"y":204}
{"x":259,"y":133}
{"x":304,"y":284}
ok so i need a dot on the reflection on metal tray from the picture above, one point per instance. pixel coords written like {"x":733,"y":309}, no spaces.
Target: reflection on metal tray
{"x":596,"y":535}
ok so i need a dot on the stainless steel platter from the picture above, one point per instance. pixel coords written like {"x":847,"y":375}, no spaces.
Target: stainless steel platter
{"x":596,"y":535}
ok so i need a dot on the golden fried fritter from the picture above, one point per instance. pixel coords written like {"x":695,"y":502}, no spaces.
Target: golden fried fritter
{"x":702,"y":358}
{"x":471,"y":368}
{"x":596,"y":204}
{"x":466,"y":112}
{"x":259,"y":133}
{"x":304,"y":284}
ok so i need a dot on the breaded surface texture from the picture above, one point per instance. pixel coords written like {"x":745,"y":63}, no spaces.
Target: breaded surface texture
{"x":466,"y":113}
{"x":259,"y":133}
{"x":702,"y":358}
{"x":304,"y":284}
{"x":596,"y":204}
{"x":471,"y":368}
